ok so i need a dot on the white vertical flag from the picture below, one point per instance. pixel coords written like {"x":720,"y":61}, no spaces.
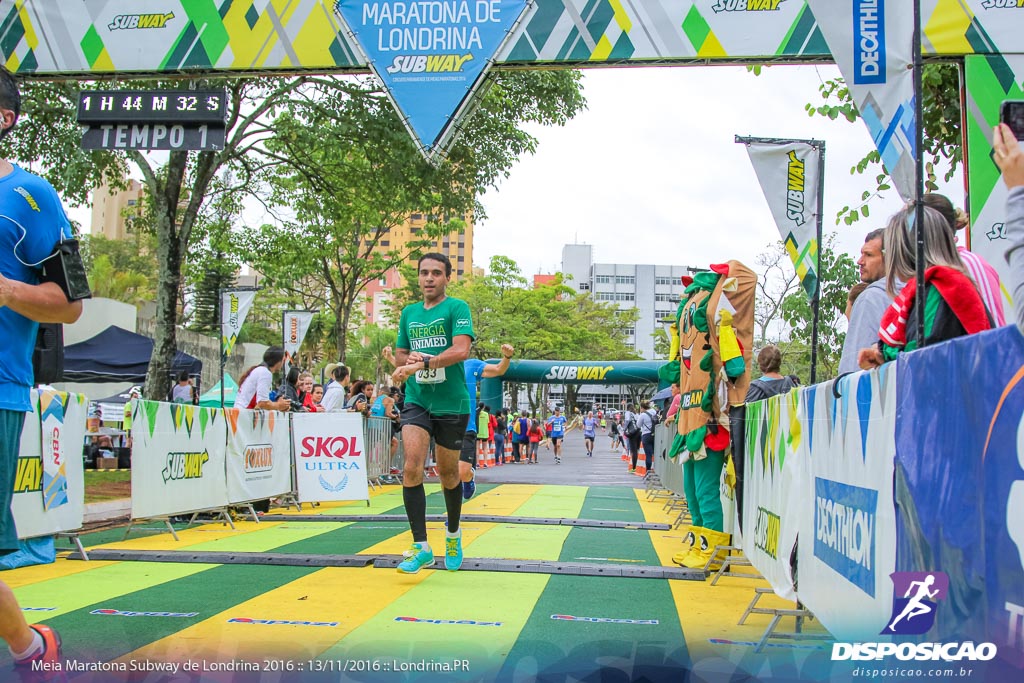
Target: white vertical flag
{"x":788,"y":171}
{"x":235,"y":305}
{"x":872,"y":43}
{"x":296,"y":324}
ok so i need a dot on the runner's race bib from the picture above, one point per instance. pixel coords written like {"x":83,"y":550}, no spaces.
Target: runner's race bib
{"x":431,"y":376}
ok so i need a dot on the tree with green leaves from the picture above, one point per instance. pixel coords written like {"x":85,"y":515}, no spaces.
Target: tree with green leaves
{"x":839,"y":274}
{"x":548,"y":322}
{"x":350,"y":174}
{"x":123,"y":270}
{"x":942,"y":139}
{"x":179,"y":186}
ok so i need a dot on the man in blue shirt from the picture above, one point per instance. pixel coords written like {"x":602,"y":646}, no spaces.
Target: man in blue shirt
{"x":32,"y":222}
{"x":557,"y":422}
{"x":475,"y":371}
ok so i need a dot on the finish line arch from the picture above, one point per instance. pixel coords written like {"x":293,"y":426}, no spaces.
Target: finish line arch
{"x":492,"y":390}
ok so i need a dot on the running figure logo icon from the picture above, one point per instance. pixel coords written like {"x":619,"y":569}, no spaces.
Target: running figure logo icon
{"x":914,"y":612}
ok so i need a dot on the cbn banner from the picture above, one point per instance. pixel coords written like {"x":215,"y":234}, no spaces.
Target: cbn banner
{"x":847,"y":546}
{"x":296,"y":325}
{"x":775,"y":473}
{"x":259,"y":454}
{"x":63,"y":432}
{"x":330,"y":460}
{"x":872,"y":43}
{"x":177,"y":459}
{"x":235,"y":305}
{"x":960,"y":487}
{"x":789,"y":174}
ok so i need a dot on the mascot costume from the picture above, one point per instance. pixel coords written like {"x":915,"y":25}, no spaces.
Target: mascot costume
{"x":711,"y":352}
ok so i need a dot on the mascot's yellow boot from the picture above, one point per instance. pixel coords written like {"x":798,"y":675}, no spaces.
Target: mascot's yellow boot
{"x":691,"y":540}
{"x":705,"y":546}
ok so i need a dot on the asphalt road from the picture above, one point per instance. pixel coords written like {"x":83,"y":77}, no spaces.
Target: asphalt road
{"x":604,"y":469}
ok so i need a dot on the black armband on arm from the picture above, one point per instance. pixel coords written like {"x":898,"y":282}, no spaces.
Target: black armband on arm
{"x":64,"y":267}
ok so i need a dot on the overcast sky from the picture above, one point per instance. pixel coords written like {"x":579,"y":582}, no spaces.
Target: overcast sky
{"x":649,"y":173}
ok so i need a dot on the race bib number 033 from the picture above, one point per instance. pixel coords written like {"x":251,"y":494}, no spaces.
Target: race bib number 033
{"x":431,"y":376}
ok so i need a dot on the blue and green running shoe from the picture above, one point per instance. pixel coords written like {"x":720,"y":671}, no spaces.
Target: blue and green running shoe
{"x":453,"y":551}
{"x":416,"y":558}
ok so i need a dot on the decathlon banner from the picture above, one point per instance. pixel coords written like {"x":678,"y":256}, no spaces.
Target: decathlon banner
{"x":259,"y":463}
{"x":847,"y":546}
{"x":431,"y":56}
{"x":54,"y":442}
{"x":789,"y":174}
{"x":330,"y":463}
{"x":234,"y":306}
{"x":295,"y":326}
{"x":872,"y":43}
{"x":960,"y":486}
{"x":177,"y":459}
{"x":774,"y":475}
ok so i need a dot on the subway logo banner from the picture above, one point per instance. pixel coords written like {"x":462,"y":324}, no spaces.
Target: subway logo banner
{"x":49,"y":483}
{"x":774,"y":475}
{"x":151,"y":36}
{"x":990,"y":80}
{"x":847,"y":544}
{"x":431,"y":57}
{"x":235,"y":305}
{"x":258,"y":456}
{"x":177,"y":459}
{"x":330,"y":459}
{"x":789,"y":174}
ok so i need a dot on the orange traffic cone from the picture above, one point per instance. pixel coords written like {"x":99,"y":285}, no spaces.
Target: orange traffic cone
{"x":641,"y":469}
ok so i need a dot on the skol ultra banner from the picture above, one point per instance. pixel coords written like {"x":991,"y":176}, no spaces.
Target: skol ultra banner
{"x":296,"y":324}
{"x":177,"y":459}
{"x":789,"y":174}
{"x":432,"y":56}
{"x":330,"y":460}
{"x":872,"y":43}
{"x":960,"y":488}
{"x":235,"y":305}
{"x":259,"y":463}
{"x":45,"y":504}
{"x":990,"y":80}
{"x":774,"y":476}
{"x":847,"y":547}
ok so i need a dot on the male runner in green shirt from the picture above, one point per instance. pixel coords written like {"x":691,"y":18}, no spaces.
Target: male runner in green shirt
{"x":434,"y":338}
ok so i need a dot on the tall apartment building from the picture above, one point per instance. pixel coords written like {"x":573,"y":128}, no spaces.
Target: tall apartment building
{"x":111,"y":209}
{"x":653,"y":290}
{"x":457,"y":246}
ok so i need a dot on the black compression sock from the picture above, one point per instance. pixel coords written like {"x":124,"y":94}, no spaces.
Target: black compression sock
{"x":453,"y":503}
{"x":415,"y":499}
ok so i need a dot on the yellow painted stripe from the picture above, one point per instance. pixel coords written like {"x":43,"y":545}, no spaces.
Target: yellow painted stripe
{"x":187,"y":537}
{"x":107,"y":580}
{"x":346,"y":595}
{"x":456,"y":596}
{"x":554,"y":501}
{"x":38,"y":573}
{"x":503,"y":500}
